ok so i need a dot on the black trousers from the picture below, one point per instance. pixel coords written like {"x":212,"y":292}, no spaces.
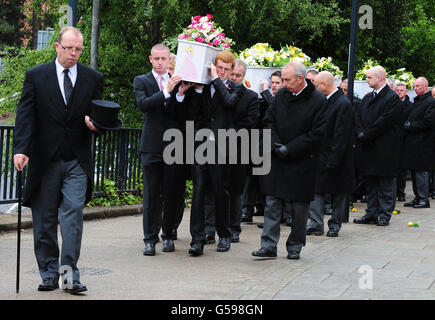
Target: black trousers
{"x":381,"y":196}
{"x":420,"y":184}
{"x":235,"y":211}
{"x":152,"y":200}
{"x":252,"y":196}
{"x":209,"y":177}
{"x":174,"y":187}
{"x":401,"y":181}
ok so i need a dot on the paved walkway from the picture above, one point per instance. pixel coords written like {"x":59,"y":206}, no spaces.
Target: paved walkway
{"x":400,"y":259}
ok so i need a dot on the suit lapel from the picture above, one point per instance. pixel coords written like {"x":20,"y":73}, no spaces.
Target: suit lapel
{"x":153,"y":83}
{"x":79,"y":92}
{"x":54,"y":92}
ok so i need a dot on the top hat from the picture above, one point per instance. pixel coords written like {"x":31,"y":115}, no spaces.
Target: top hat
{"x":104,"y":115}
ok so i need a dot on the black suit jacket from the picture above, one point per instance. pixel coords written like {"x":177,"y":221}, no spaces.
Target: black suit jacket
{"x":153,"y":104}
{"x":336,"y":148}
{"x":42,"y":124}
{"x":247,"y":111}
{"x":419,"y":138}
{"x":221,"y":107}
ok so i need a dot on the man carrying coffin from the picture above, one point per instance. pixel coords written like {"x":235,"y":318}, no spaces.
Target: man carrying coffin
{"x":211,"y":107}
{"x":153,"y":93}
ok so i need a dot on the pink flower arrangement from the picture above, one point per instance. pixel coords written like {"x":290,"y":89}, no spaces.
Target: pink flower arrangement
{"x":206,"y":31}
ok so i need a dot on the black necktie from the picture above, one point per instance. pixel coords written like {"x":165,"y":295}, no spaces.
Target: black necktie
{"x":67,"y":86}
{"x":374,"y":94}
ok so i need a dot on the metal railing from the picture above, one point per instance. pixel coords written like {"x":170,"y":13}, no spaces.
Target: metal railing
{"x":8,"y":176}
{"x":116,"y":156}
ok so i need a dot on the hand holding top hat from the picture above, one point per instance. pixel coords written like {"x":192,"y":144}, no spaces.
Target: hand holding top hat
{"x":104,"y":115}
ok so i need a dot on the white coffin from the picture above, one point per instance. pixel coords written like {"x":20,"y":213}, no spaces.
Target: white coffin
{"x":193,"y":59}
{"x":256,"y":76}
{"x":361,"y":88}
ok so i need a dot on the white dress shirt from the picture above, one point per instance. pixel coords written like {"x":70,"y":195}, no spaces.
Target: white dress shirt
{"x":165,"y":80}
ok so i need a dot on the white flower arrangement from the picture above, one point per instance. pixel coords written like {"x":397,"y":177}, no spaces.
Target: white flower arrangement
{"x":402,"y":76}
{"x":362,"y":73}
{"x":325,"y":64}
{"x":262,"y":54}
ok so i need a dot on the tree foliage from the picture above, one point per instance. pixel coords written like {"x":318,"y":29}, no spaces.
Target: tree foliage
{"x":402,"y":36}
{"x":11,"y":20}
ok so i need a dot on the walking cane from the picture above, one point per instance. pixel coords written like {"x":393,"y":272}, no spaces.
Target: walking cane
{"x":20,"y":190}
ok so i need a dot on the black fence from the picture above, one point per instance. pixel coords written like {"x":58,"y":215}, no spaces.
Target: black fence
{"x":116,"y":157}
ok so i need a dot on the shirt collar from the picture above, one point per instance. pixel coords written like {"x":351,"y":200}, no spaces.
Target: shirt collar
{"x":301,"y":90}
{"x":329,"y":95}
{"x":60,"y":68}
{"x":379,"y":90}
{"x":165,"y":76}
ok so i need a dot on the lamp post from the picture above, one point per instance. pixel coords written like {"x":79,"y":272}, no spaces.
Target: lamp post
{"x":73,"y":5}
{"x":352,"y":47}
{"x":94,"y":37}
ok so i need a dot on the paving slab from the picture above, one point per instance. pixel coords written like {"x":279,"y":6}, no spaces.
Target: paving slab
{"x":401,"y":260}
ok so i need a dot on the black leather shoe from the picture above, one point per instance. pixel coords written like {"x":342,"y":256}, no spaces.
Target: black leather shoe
{"x":293,"y":255}
{"x":382,"y":222}
{"x":76,"y":288}
{"x":422,"y":204}
{"x":196,"y":249}
{"x":264,"y":253}
{"x":235,"y":237}
{"x":328,"y":212}
{"x":247,"y":217}
{"x":401,"y":198}
{"x":260,"y":225}
{"x":332,"y":233}
{"x":209,"y":239}
{"x":224,"y":245}
{"x":366,"y":219}
{"x":311,"y":231}
{"x":49,"y":284}
{"x":411,"y":203}
{"x":168,"y":245}
{"x":150,"y":249}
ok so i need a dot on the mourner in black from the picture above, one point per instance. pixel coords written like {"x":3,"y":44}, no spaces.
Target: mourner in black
{"x":419,"y":151}
{"x":377,"y":139}
{"x":297,"y":119}
{"x":359,"y":191}
{"x":402,"y":173}
{"x":53,"y":135}
{"x":335,"y":169}
{"x":252,"y":197}
{"x":245,"y":116}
